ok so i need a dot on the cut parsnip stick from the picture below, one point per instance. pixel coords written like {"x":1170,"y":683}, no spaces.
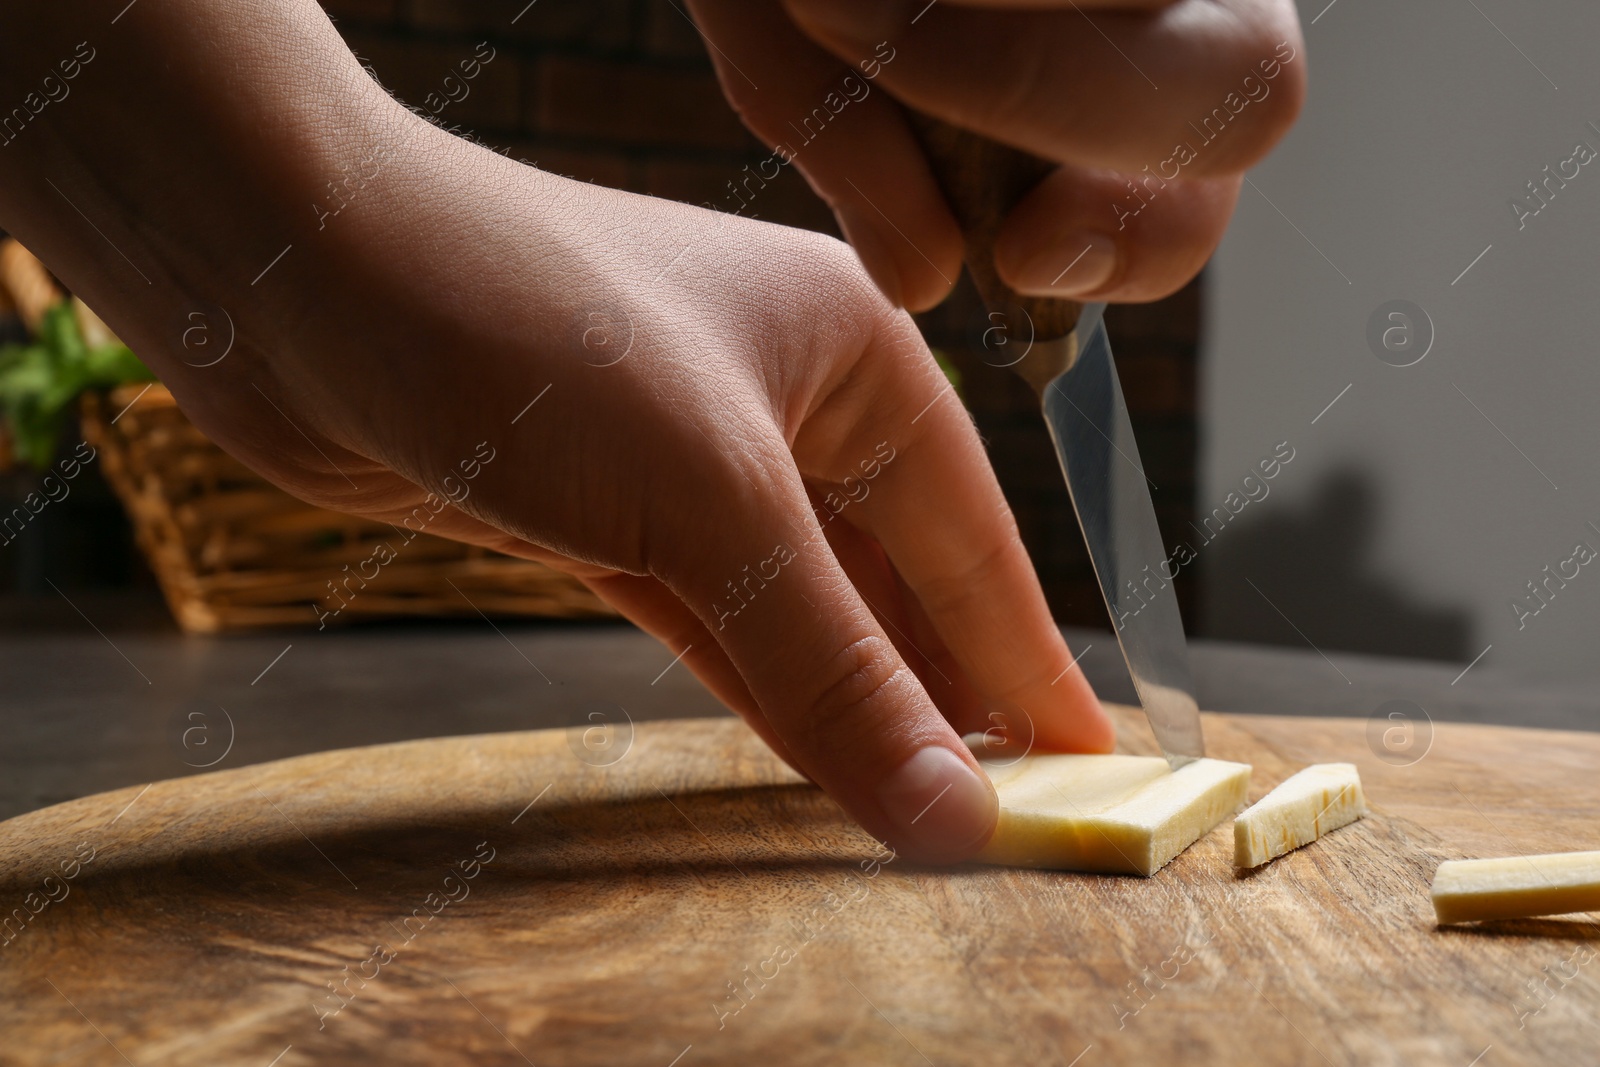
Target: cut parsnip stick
{"x":1517,"y":887}
{"x":1306,"y":805}
{"x":1112,"y":814}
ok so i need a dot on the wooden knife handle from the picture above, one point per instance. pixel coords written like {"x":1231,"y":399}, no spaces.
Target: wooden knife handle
{"x":983,"y":180}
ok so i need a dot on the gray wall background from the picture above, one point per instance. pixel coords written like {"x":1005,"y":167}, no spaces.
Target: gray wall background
{"x":1410,"y":519}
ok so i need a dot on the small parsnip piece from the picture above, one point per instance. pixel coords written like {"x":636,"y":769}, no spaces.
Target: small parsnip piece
{"x":1306,"y":805}
{"x":1517,"y":887}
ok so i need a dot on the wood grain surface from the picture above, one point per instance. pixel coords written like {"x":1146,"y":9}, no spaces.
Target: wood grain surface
{"x":557,"y":898}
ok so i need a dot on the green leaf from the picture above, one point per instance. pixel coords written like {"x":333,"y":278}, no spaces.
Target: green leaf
{"x":950,"y":371}
{"x":40,"y":382}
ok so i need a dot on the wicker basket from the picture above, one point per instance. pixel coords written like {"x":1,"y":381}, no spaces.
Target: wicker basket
{"x":233,"y":552}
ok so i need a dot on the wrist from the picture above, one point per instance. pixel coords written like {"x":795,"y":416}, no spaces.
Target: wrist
{"x":187,"y":148}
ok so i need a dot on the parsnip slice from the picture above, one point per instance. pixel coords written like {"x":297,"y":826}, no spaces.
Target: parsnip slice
{"x":1113,"y":814}
{"x":1304,"y":806}
{"x":1517,"y":887}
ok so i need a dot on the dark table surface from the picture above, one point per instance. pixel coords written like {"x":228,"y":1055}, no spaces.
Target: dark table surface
{"x":96,"y":694}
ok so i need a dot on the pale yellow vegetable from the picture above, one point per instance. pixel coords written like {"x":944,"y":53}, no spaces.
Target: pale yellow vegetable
{"x":1306,"y":805}
{"x":1517,"y":887}
{"x":1113,"y":814}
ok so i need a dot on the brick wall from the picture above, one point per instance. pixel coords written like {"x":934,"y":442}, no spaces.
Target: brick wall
{"x":620,"y":92}
{"x":617,"y":92}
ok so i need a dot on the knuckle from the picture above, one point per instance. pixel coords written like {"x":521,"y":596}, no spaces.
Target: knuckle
{"x":1275,"y":45}
{"x":854,"y":678}
{"x":1263,"y":44}
{"x":819,"y":272}
{"x":953,"y":593}
{"x":1280,"y":108}
{"x":835,"y":267}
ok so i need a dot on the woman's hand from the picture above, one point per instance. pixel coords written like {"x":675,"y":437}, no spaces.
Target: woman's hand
{"x":720,"y":425}
{"x":736,"y":440}
{"x":1152,"y":108}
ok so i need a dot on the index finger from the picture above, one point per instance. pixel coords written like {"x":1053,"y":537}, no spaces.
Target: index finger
{"x":940,"y":515}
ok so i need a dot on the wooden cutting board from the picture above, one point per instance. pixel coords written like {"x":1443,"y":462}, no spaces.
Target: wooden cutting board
{"x":517,"y":898}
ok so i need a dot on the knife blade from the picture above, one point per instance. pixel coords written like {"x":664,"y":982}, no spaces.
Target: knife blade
{"x":1088,"y":421}
{"x":1067,"y":359}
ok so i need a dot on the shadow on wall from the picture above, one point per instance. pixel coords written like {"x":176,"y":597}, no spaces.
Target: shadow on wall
{"x":1314,"y":563}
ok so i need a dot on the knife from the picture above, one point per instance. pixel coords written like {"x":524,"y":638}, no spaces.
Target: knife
{"x":1066,"y":357}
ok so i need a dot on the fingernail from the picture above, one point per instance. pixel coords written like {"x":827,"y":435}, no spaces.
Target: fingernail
{"x":1079,"y":265}
{"x":852,"y":23}
{"x":874,"y":252}
{"x":943,"y":808}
